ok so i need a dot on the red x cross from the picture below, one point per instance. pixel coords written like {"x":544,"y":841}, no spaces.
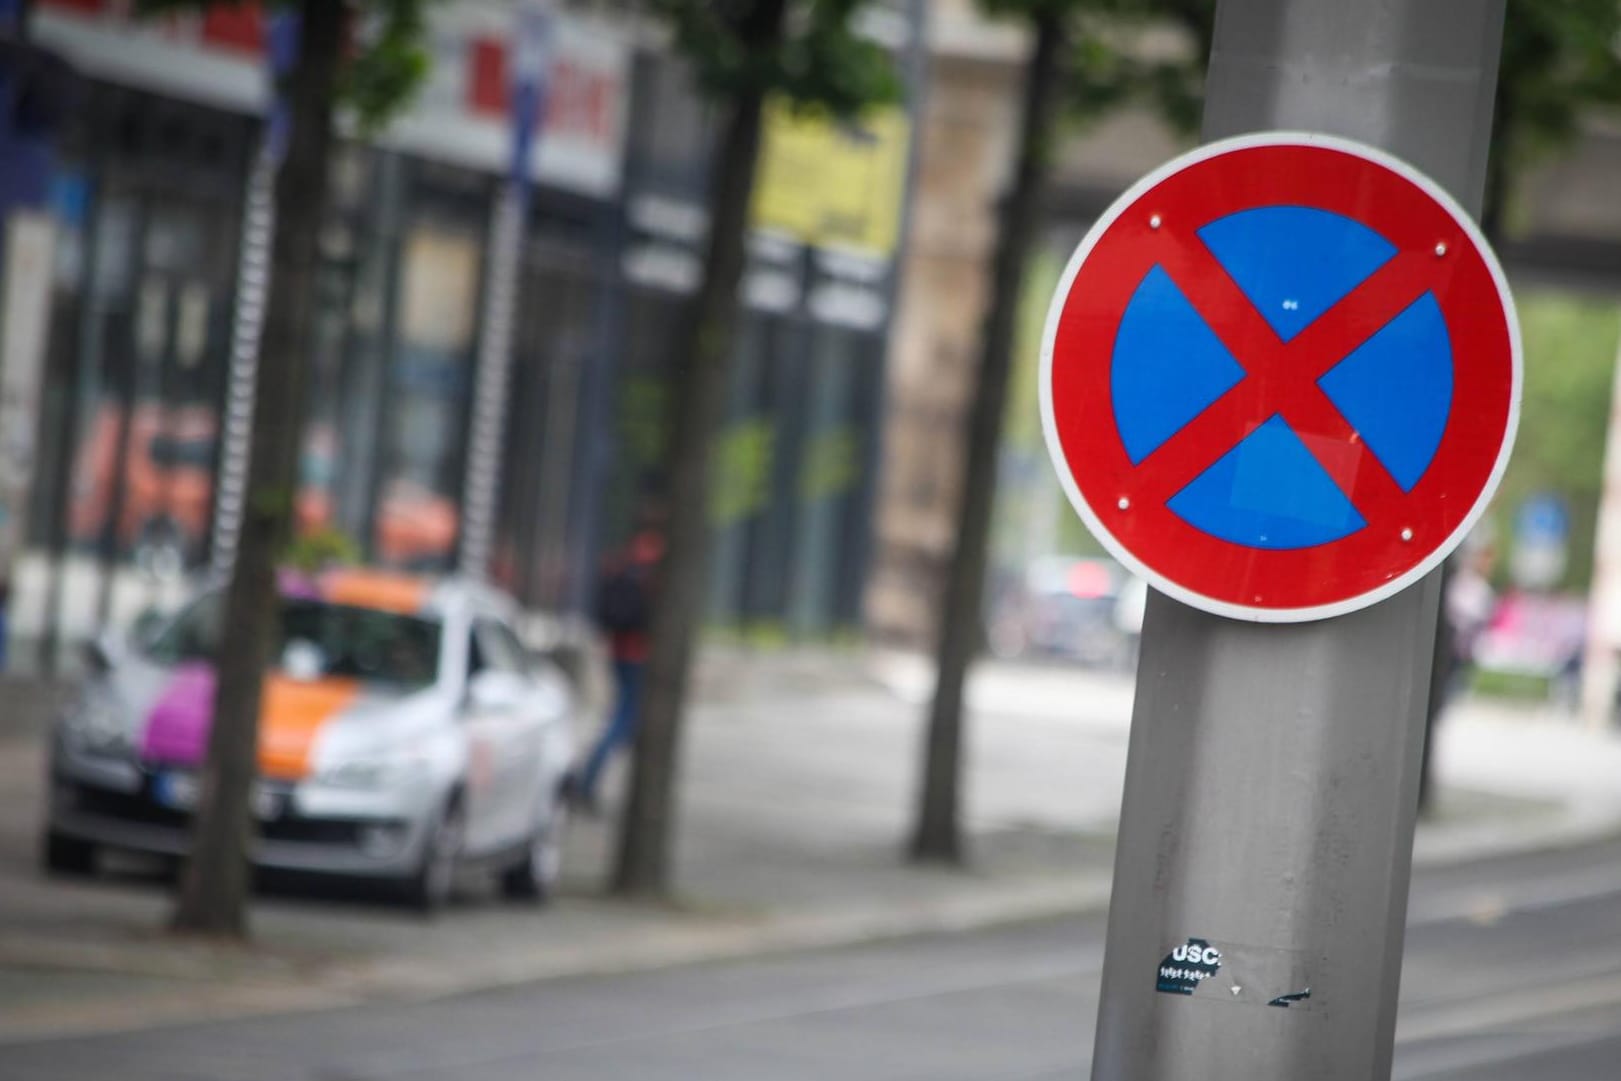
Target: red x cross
{"x":1126,"y":503}
{"x":1281,"y":377}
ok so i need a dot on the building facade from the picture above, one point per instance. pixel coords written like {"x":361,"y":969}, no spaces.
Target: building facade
{"x":1562,"y":246}
{"x":153,"y":197}
{"x":967,"y":127}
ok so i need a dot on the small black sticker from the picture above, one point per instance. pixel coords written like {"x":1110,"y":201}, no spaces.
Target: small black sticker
{"x":1187,"y":966}
{"x":1285,"y":1001}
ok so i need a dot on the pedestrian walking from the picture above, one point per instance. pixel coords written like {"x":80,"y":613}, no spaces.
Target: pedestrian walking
{"x":624,"y":607}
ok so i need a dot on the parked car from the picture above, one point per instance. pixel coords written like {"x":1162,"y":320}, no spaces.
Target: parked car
{"x":1128,"y":616}
{"x":1063,"y":608}
{"x":405,"y":735}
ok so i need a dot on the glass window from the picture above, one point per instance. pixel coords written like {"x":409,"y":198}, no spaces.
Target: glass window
{"x":193,"y":635}
{"x":497,"y":648}
{"x":416,"y":514}
{"x":350,"y":643}
{"x":829,"y":473}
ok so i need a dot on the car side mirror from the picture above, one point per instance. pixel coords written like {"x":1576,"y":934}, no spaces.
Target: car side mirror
{"x":490,"y":691}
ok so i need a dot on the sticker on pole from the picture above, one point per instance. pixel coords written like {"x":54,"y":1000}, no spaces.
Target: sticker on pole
{"x":1281,"y":376}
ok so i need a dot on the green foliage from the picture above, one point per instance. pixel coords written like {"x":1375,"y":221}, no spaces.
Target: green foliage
{"x":383,"y":74}
{"x":742,"y":461}
{"x":1570,"y":348}
{"x":321,"y":549}
{"x":1022,"y":429}
{"x":1031,"y":500}
{"x":1108,"y":66}
{"x":822,"y":60}
{"x":1559,"y":58}
{"x":383,"y":77}
{"x":1558,"y":55}
{"x":1493,"y":684}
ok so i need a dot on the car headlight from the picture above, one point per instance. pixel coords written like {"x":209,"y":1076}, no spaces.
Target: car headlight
{"x":374,"y":771}
{"x":95,"y":725}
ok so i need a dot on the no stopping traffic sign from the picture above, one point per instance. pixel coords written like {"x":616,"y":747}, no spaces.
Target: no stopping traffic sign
{"x":1281,"y":376}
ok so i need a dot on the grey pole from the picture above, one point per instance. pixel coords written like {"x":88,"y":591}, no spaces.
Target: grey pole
{"x":1272,"y":780}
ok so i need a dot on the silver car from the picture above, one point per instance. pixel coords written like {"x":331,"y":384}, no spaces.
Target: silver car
{"x":405,"y":735}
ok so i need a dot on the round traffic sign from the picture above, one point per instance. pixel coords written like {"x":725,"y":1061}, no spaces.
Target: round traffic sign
{"x":1281,"y":376}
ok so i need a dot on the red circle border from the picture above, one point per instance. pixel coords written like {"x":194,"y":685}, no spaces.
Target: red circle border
{"x":1133,"y":239}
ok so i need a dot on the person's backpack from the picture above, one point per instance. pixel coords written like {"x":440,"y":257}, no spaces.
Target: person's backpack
{"x":622,"y":601}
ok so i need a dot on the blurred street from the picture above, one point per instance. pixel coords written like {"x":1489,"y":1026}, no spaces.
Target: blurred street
{"x":798,"y":779}
{"x":584,"y":541}
{"x":1512,"y":972}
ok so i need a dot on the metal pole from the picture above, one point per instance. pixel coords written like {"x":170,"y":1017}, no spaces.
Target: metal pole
{"x":1273,"y":771}
{"x":247,"y":328}
{"x":481,"y":487}
{"x":252,"y":297}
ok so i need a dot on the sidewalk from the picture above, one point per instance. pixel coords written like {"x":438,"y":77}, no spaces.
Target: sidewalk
{"x":798,"y":781}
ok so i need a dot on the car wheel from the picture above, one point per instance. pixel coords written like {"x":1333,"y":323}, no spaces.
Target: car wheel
{"x":535,"y":877}
{"x":64,"y":855}
{"x":429,"y":889}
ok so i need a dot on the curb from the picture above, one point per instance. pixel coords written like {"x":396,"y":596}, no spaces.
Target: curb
{"x":717,"y":942}
{"x":693,"y":940}
{"x":681,"y":939}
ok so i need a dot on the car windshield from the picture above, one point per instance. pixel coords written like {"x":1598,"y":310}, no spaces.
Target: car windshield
{"x":332,"y":640}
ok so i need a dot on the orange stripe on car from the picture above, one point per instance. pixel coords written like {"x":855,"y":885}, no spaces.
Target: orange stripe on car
{"x":399,"y":593}
{"x":291,"y":714}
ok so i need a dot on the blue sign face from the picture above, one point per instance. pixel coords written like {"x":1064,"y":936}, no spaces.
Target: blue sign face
{"x":1542,"y":519}
{"x":1281,"y":376}
{"x":1270,"y":489}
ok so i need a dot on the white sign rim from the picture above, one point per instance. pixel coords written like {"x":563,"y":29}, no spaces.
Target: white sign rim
{"x":1094,"y":522}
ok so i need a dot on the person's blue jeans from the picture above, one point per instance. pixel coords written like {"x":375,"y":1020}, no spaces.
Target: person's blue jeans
{"x":621,"y":728}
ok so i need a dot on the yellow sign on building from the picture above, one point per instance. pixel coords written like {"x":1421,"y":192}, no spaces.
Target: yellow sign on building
{"x":832,"y":183}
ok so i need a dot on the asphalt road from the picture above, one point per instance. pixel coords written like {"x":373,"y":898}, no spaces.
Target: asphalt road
{"x":1513,"y":971}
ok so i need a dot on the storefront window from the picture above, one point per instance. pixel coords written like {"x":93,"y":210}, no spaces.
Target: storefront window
{"x":556,"y":350}
{"x":417,"y":515}
{"x":827,"y":482}
{"x":741,"y":467}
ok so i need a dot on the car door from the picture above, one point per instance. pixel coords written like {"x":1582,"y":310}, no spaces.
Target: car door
{"x":487,"y":722}
{"x":516,"y":728}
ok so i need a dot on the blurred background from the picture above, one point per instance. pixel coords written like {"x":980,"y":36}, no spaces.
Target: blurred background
{"x":131,"y":176}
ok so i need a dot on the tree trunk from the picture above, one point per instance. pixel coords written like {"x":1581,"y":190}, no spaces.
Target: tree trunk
{"x":214,"y":885}
{"x":698,"y":386}
{"x":1500,"y":164}
{"x":1443,"y":669}
{"x":937,"y":832}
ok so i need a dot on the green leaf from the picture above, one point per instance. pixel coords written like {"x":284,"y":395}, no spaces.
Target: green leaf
{"x":821,"y":61}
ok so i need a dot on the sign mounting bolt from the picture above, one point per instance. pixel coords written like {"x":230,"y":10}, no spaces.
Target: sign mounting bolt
{"x":1407,"y":534}
{"x":1123,"y":503}
{"x":1441,"y":248}
{"x":1155,"y":222}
